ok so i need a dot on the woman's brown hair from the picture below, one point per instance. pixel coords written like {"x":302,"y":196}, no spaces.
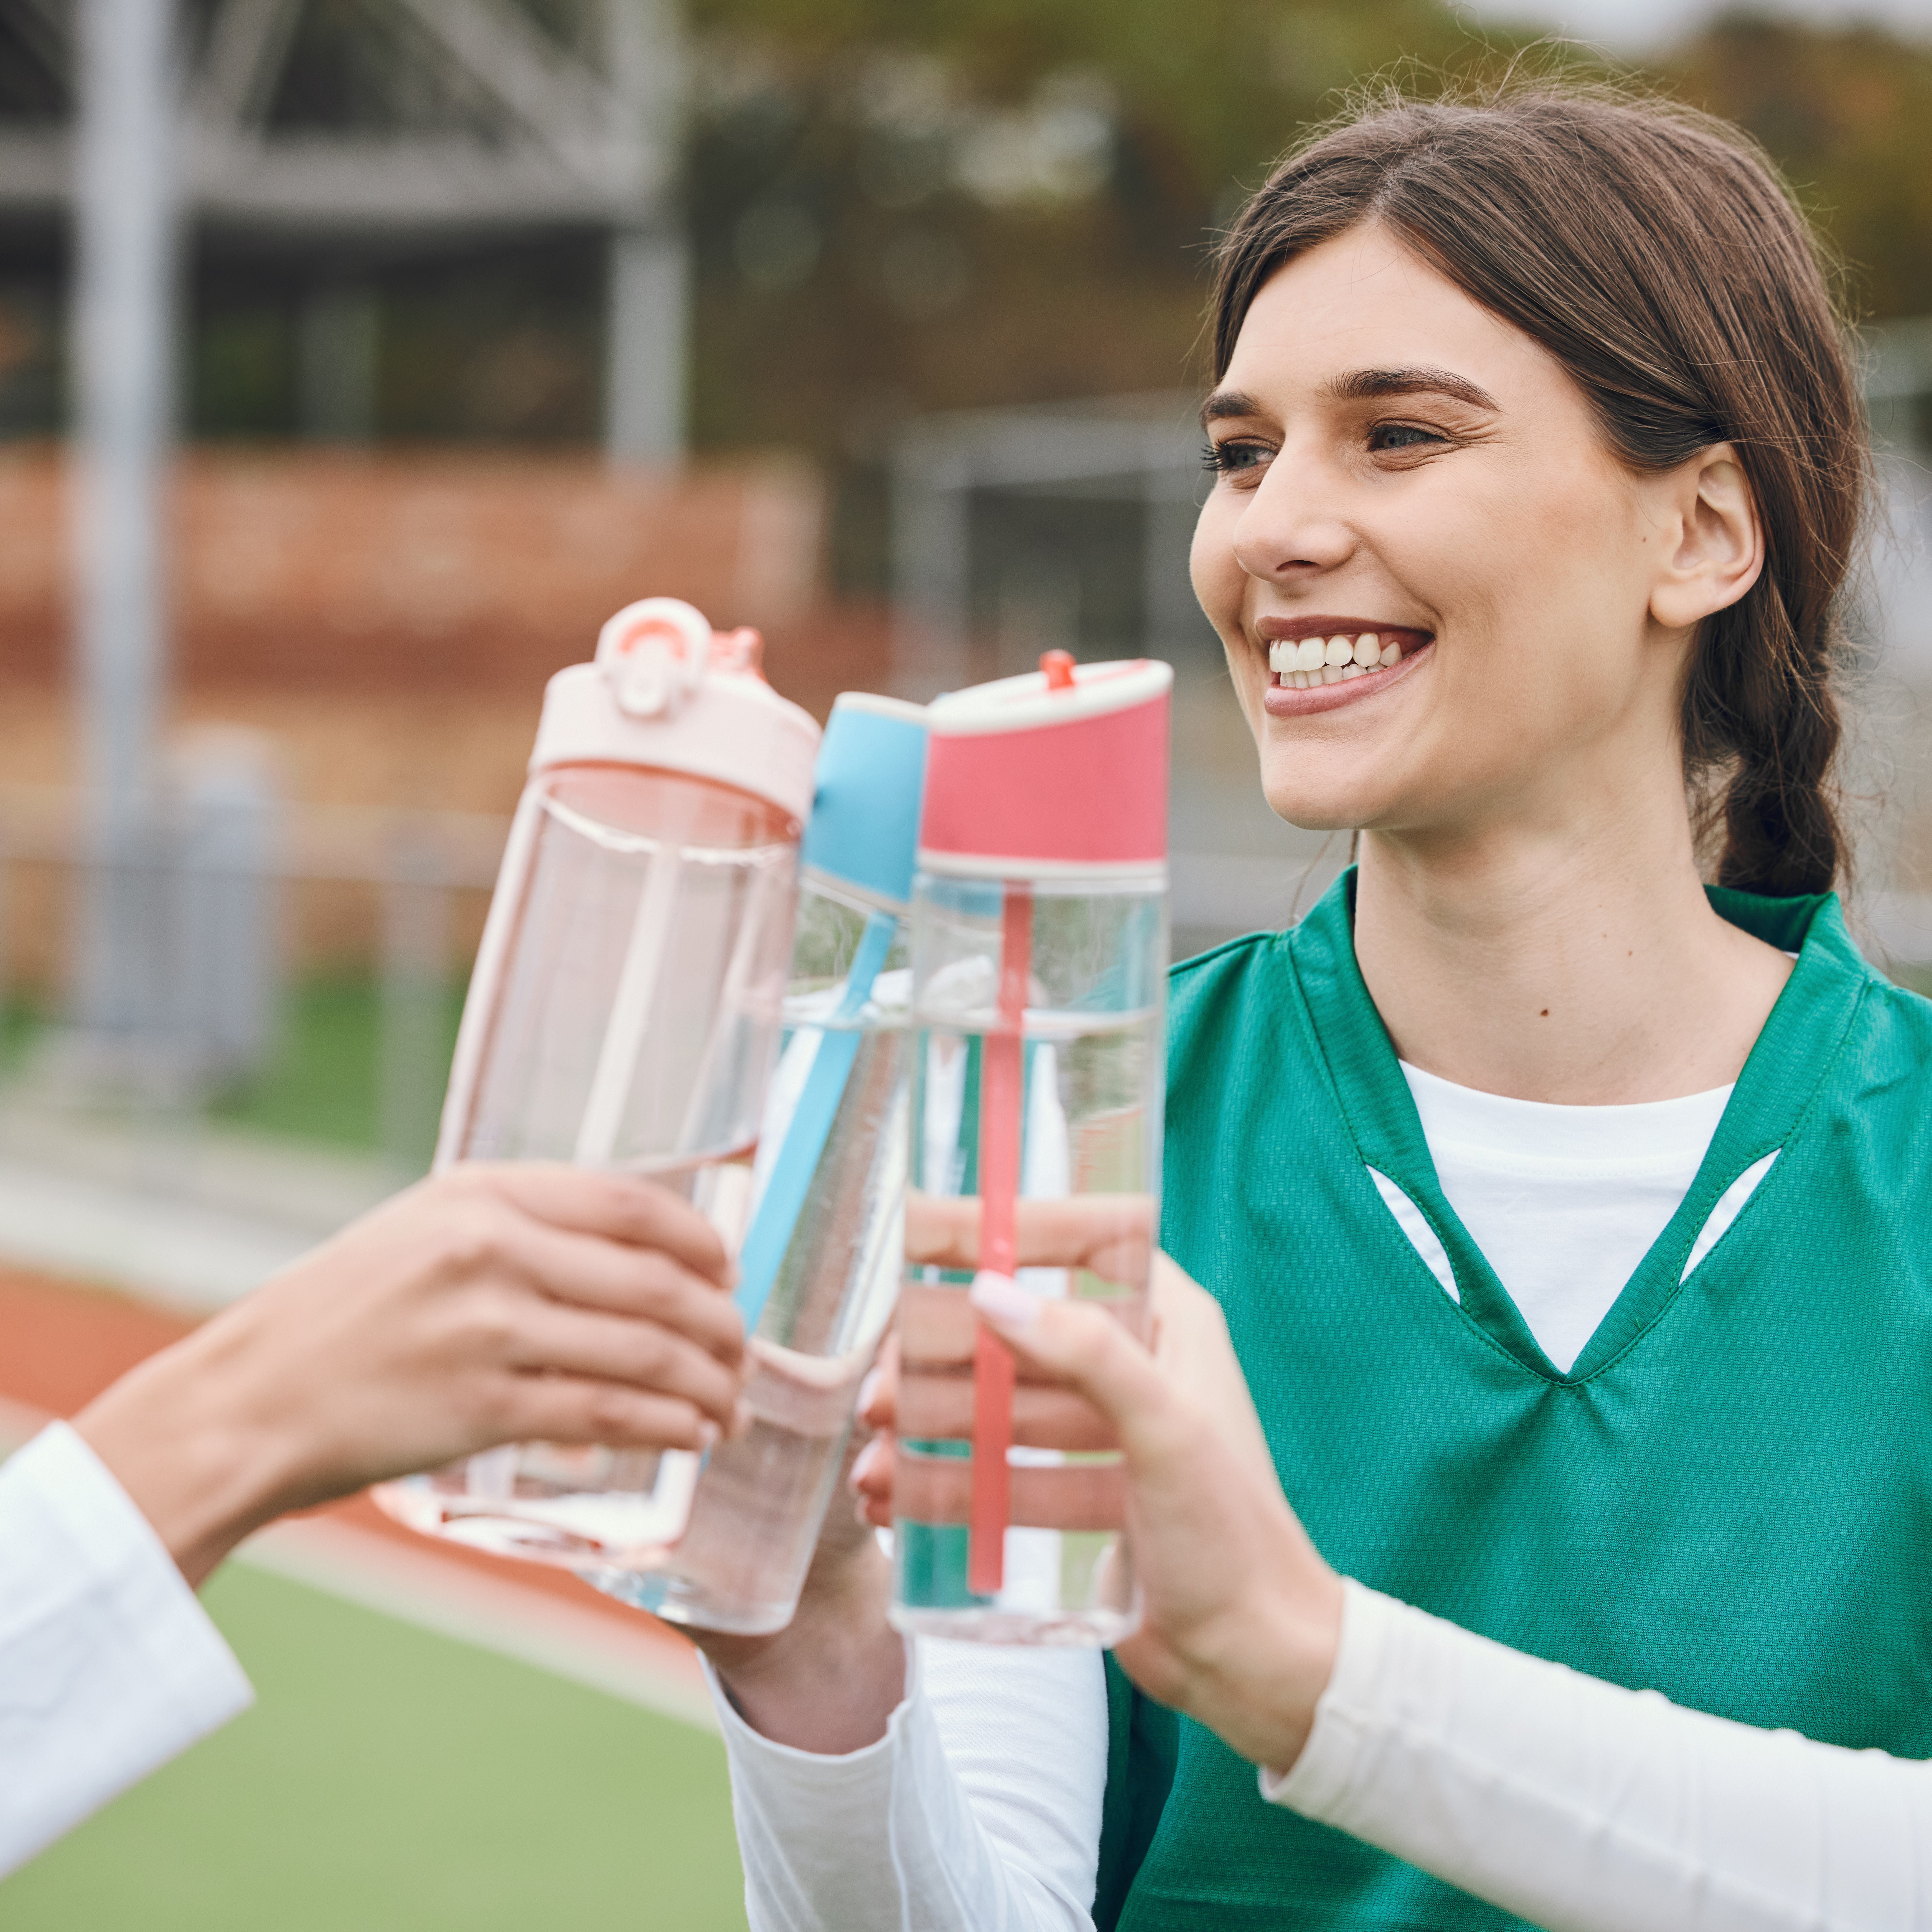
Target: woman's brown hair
{"x":1654,"y":252}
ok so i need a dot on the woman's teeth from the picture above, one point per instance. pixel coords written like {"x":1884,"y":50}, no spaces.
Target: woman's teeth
{"x":1317,"y":661}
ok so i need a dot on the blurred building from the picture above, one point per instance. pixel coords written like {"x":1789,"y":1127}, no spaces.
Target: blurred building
{"x":427,"y":218}
{"x":431,"y":349}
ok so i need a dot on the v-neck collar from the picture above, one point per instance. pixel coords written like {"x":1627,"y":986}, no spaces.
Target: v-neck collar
{"x":1784,"y":1071}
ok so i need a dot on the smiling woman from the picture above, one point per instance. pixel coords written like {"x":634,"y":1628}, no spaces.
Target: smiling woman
{"x":1567,"y":1212}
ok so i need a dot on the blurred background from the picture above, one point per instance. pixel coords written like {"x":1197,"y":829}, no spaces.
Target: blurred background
{"x":357,"y":358}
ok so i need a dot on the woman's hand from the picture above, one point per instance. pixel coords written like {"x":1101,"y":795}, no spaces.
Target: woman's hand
{"x":491,"y":1304}
{"x":1242,"y":1616}
{"x":1189,"y":1336}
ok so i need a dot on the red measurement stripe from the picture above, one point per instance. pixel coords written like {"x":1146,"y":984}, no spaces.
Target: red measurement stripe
{"x":1002,"y":1076}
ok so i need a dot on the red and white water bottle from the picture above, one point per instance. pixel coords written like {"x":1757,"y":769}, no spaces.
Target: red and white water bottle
{"x":1039,"y":954}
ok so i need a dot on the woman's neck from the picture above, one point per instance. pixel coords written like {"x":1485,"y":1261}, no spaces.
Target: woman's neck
{"x":1588,"y":971}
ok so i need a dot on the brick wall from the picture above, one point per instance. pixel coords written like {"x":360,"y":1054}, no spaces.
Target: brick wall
{"x":387,"y":621}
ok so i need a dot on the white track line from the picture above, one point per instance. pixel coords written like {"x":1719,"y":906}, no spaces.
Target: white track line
{"x":178,"y":1253}
{"x":421,"y":1587}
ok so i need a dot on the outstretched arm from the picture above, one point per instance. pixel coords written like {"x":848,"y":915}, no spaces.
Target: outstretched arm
{"x":1576,"y":1803}
{"x":492,"y":1304}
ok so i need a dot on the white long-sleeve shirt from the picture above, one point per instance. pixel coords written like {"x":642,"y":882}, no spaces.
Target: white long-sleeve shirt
{"x":109,"y":1665}
{"x":1575,"y":1804}
{"x":1586,"y":1807}
{"x":1571,"y":1801}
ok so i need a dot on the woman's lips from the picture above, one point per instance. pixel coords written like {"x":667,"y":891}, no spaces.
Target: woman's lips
{"x":1315,"y":668}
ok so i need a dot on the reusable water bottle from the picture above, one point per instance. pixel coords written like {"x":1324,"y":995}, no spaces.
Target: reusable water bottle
{"x":819,"y":1271}
{"x":626,"y":1009}
{"x":1039,"y":951}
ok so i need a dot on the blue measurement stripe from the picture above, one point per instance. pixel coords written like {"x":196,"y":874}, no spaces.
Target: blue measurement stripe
{"x":790,"y":1179}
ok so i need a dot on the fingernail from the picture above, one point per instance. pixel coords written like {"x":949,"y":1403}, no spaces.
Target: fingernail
{"x":865,"y":1462}
{"x":741,"y":1417}
{"x":1002,"y":1300}
{"x":868,"y":1388}
{"x":707,"y":1437}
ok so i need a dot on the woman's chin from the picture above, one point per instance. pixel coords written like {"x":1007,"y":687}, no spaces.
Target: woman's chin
{"x":1308,"y":810}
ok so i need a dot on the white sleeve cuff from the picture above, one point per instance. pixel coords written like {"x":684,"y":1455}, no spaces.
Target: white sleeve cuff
{"x":109,"y":1665}
{"x":815,"y":1830}
{"x":1331,"y":1760}
{"x":948,"y":1831}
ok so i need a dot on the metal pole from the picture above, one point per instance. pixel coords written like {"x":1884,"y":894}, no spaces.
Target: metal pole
{"x":647,"y":319}
{"x":123,"y":361}
{"x":931,"y":511}
{"x":643,"y":409}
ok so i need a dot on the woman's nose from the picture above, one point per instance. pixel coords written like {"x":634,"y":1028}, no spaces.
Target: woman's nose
{"x":1290,"y":527}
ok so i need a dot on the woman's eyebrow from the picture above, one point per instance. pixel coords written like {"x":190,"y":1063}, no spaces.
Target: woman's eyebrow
{"x":1361,"y":386}
{"x":1367,"y":385}
{"x":1224,"y":403}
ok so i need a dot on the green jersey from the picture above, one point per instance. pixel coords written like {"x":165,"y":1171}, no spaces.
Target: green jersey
{"x":1728,"y":1498}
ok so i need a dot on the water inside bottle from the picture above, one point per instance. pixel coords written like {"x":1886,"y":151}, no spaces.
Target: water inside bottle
{"x":1084,"y":1226}
{"x":638,"y":1013}
{"x":634,"y":1022}
{"x":741,"y":1564}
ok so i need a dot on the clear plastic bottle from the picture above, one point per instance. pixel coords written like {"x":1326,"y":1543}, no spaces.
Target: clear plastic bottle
{"x":821,"y":1264}
{"x":1039,"y":950}
{"x":626,"y":1009}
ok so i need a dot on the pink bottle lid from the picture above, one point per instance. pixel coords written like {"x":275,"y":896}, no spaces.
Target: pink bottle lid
{"x":1059,"y":772}
{"x":666,"y":693}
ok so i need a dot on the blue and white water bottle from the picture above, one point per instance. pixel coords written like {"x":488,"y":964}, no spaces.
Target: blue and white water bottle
{"x":820,"y":1268}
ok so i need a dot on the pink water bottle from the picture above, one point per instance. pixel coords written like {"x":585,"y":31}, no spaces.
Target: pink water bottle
{"x":626,"y":1009}
{"x":1038,"y":955}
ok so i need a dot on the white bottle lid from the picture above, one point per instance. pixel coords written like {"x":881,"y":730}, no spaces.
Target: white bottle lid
{"x":666,"y":693}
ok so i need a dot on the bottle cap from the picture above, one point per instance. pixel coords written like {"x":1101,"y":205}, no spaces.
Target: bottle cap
{"x":863,"y":832}
{"x":1060,"y":771}
{"x":666,"y":692}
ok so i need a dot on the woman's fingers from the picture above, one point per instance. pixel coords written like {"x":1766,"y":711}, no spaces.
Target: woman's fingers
{"x":1107,"y":1234}
{"x":610,"y":1348}
{"x":619,"y":1207}
{"x":871,"y":1482}
{"x":1079,"y":1346}
{"x":942,"y":1406}
{"x":620,"y":1280}
{"x":879,"y":1393}
{"x":573,"y":1409}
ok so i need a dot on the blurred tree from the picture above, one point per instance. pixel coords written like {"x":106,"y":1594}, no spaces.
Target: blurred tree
{"x":1847,"y":111}
{"x":898,"y":206}
{"x":992,"y":200}
{"x":903,"y":208}
{"x":897,"y":209}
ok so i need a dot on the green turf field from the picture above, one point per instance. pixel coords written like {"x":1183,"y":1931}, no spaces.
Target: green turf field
{"x":390,"y":1781}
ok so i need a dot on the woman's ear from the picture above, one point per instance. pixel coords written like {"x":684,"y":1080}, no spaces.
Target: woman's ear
{"x":1713,"y":541}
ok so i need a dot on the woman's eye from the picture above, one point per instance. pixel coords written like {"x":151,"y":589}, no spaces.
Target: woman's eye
{"x":1401,"y":436}
{"x":1230,"y":457}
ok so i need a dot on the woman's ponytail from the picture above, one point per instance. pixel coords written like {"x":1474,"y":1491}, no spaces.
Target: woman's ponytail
{"x":1761,"y":718}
